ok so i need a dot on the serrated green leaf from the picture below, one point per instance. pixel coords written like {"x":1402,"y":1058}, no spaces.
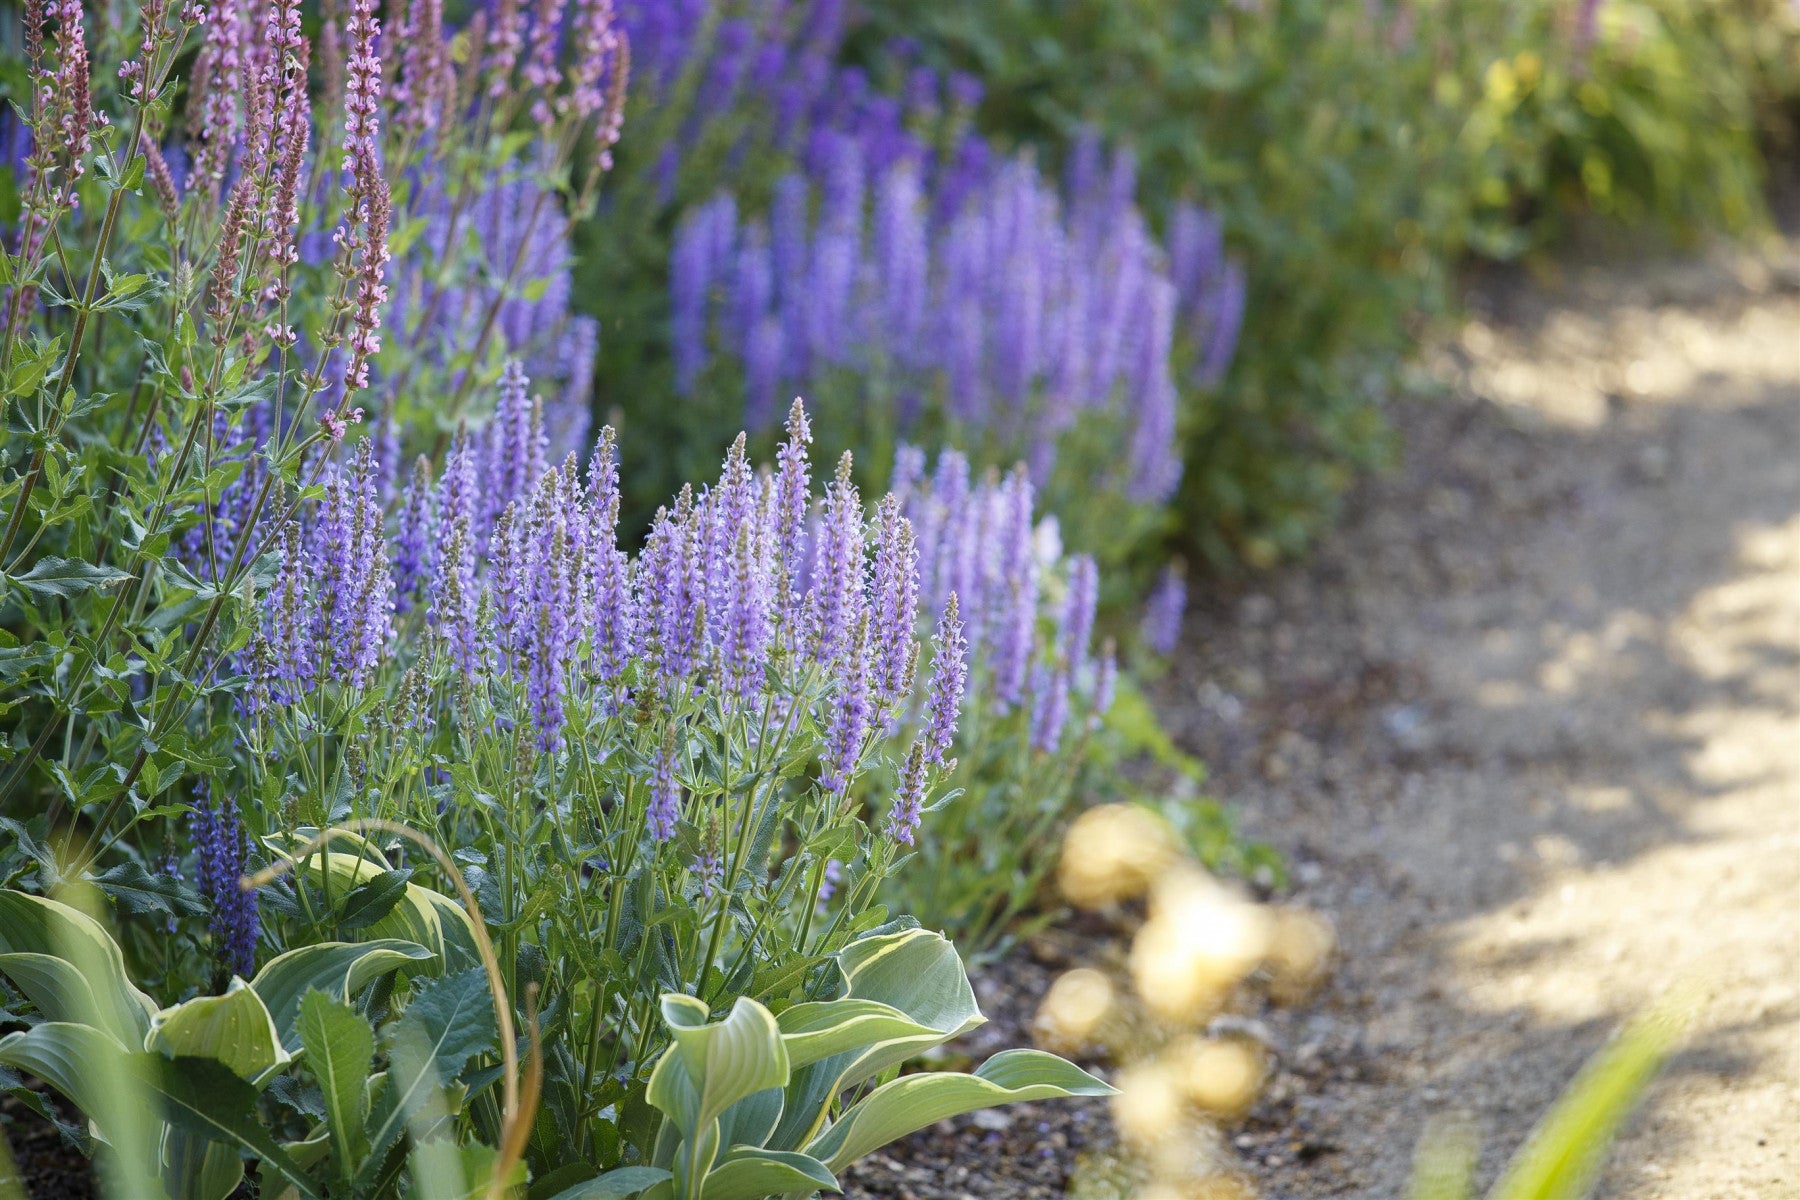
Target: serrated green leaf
{"x":138,"y":893}
{"x":339,"y":1048}
{"x":52,"y":577}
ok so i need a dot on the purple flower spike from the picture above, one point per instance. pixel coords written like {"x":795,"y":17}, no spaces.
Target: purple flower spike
{"x":219,"y":851}
{"x":909,"y":797}
{"x":1164,"y":610}
{"x":1078,"y":611}
{"x":849,"y":722}
{"x":609,"y":569}
{"x":1050,"y":710}
{"x":896,"y":605}
{"x":665,"y":793}
{"x":838,"y":583}
{"x":1016,"y":635}
{"x":949,"y":674}
{"x":793,"y":489}
{"x":417,"y":534}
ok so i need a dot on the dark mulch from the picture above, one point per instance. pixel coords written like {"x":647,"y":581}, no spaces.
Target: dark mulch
{"x":49,"y":1167}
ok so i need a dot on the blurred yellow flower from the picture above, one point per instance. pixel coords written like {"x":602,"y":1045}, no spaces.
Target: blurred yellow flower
{"x":1077,"y":1004}
{"x":1113,"y":853}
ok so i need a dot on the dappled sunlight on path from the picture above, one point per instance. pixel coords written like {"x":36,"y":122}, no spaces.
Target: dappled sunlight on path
{"x":1530,"y":724}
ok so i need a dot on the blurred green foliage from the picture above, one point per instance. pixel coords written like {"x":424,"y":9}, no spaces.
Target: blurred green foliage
{"x":1358,"y":152}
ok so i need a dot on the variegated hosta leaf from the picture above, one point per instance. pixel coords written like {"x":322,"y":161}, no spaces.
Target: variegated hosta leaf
{"x":70,"y":1057}
{"x":40,"y":926}
{"x":234,"y":1030}
{"x":339,"y":969}
{"x":905,"y":993}
{"x":712,"y":1066}
{"x":750,"y":1173}
{"x":912,"y":1102}
{"x":431,"y":919}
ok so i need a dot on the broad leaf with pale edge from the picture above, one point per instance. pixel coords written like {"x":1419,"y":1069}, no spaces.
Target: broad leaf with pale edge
{"x":234,"y":1030}
{"x":36,"y":925}
{"x":619,"y":1184}
{"x":912,"y":1102}
{"x":905,"y":992}
{"x":339,"y":969}
{"x":750,"y":1173}
{"x":711,"y":1067}
{"x":339,"y":1047}
{"x":429,"y":918}
{"x":203,"y":1097}
{"x":67,"y":1056}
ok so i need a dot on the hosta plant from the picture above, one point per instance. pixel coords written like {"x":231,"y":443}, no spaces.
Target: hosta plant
{"x":282,"y":1070}
{"x":763,"y":1103}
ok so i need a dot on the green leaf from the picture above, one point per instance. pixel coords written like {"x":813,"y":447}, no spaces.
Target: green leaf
{"x":138,"y":893}
{"x":750,"y":1173}
{"x":374,"y":899}
{"x":712,"y":1066}
{"x":912,"y":1102}
{"x":824,"y":1028}
{"x":339,"y":969}
{"x":203,"y":1097}
{"x":234,"y":1030}
{"x":70,"y":1057}
{"x":448,"y":1022}
{"x":1561,"y":1160}
{"x":36,"y":925}
{"x":455,"y":1017}
{"x":912,"y":972}
{"x":51,"y":577}
{"x":54,"y":986}
{"x":339,"y":1048}
{"x":615,"y":1185}
{"x":434,"y":921}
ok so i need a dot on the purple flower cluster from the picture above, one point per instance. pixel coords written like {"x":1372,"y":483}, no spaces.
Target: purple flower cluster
{"x":518,"y":289}
{"x":1164,"y":610}
{"x":219,"y":849}
{"x":748,"y":590}
{"x":329,"y":615}
{"x":961,"y":285}
{"x":1013,"y":605}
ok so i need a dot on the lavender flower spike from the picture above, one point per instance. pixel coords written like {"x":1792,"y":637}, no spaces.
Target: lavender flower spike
{"x":1164,"y":610}
{"x":949,"y":673}
{"x":665,"y":793}
{"x":909,"y":797}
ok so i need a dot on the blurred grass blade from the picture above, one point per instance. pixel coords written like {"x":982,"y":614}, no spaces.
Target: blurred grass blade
{"x":123,"y":1109}
{"x":12,"y":1184}
{"x":1444,"y":1167}
{"x":1561,"y":1160}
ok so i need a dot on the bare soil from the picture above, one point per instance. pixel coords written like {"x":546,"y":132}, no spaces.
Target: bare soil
{"x":1528,"y":727}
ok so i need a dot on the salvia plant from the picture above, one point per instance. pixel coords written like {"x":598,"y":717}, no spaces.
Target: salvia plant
{"x":248,"y":655}
{"x":880,"y":256}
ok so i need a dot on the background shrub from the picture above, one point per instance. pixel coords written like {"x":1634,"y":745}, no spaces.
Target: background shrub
{"x":1356,"y":154}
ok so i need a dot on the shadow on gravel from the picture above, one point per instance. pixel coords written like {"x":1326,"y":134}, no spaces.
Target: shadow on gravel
{"x":1507,"y":675}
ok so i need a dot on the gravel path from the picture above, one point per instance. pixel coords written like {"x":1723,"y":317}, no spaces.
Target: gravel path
{"x":1529,"y":726}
